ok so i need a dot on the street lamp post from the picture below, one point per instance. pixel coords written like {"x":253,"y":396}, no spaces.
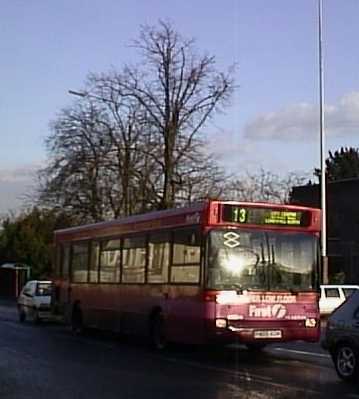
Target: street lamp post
{"x":85,"y":94}
{"x":77,"y":93}
{"x":323,"y":194}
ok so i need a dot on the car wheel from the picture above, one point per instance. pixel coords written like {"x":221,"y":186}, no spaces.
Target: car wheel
{"x":157,"y":332}
{"x":346,"y":361}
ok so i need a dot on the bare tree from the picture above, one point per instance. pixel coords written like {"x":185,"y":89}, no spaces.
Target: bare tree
{"x":199,"y":176}
{"x":74,"y":176}
{"x":133,"y":142}
{"x":94,"y":160}
{"x":179,"y":92}
{"x":133,"y":145}
{"x":263,"y":186}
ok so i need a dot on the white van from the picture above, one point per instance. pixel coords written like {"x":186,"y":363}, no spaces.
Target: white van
{"x":34,"y":301}
{"x":331,"y":296}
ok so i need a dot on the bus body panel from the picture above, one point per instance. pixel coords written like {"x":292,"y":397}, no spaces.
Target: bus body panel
{"x":191,"y":319}
{"x":266,"y":317}
{"x":185,"y":315}
{"x":127,"y":309}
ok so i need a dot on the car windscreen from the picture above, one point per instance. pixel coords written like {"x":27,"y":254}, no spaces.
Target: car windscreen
{"x":44,"y":289}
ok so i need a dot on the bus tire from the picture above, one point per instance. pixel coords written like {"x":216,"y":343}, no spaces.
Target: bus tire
{"x":77,"y":327}
{"x":157,"y":332}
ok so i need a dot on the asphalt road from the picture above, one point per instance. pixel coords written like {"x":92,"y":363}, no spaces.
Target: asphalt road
{"x":46,"y":361}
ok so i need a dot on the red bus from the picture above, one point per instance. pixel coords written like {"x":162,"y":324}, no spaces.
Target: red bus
{"x":219,"y":271}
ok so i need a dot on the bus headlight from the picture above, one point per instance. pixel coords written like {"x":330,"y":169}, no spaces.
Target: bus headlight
{"x":310,"y":323}
{"x":221,"y":323}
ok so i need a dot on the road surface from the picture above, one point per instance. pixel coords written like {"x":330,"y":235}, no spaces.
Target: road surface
{"x":47,"y":361}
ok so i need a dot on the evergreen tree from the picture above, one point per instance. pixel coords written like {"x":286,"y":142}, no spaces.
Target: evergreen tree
{"x":28,"y":238}
{"x":342,"y":164}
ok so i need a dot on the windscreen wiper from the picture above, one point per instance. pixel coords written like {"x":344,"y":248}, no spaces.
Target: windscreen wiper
{"x":239,"y":288}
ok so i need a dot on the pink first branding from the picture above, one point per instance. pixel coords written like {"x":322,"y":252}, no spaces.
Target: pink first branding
{"x":277,"y":311}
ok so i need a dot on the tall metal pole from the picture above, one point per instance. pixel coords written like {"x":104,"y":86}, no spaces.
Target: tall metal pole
{"x":323,"y":194}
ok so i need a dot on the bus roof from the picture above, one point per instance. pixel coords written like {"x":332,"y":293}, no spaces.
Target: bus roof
{"x":185,"y":216}
{"x":206,"y":212}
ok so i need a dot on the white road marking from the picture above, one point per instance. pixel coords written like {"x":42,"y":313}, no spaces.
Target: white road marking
{"x":297,"y":352}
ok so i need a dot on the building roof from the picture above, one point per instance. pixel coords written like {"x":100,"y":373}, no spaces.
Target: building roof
{"x":14,"y":266}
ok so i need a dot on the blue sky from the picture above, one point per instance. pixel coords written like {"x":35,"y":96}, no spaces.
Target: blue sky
{"x":49,"y":47}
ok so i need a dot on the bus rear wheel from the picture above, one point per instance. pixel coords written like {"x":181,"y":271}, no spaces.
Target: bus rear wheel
{"x":157,"y":332}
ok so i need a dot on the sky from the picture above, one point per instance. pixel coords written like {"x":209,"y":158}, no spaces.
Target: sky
{"x":272,"y":123}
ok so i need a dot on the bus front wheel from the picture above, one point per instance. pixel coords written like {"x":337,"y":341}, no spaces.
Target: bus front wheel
{"x":157,"y":332}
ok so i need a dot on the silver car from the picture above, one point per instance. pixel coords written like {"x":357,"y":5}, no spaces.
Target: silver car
{"x":34,"y":301}
{"x":342,"y":338}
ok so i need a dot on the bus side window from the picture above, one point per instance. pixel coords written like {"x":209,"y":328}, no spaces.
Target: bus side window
{"x":110,"y":261}
{"x":186,"y":247}
{"x":134,"y":259}
{"x":158,"y":258}
{"x":79,"y":262}
{"x":94,"y":262}
{"x":186,"y":256}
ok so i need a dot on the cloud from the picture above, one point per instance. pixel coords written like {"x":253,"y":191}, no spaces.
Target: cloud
{"x":301,"y":121}
{"x":24,"y":173}
{"x":15,"y":183}
{"x":223,"y":143}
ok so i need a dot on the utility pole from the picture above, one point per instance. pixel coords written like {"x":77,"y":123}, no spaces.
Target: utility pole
{"x":323,"y":193}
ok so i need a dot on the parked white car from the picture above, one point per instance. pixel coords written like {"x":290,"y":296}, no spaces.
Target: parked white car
{"x":332,"y":296}
{"x":34,"y":301}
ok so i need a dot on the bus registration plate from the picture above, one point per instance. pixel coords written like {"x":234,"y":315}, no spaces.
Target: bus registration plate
{"x":267,"y":334}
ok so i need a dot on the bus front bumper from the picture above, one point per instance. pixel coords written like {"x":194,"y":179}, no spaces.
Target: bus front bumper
{"x":266,"y":333}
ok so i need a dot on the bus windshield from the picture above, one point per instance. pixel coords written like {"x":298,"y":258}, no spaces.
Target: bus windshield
{"x":244,"y":259}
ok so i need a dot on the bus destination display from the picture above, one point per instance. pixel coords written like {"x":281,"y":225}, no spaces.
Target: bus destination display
{"x":264,"y":216}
